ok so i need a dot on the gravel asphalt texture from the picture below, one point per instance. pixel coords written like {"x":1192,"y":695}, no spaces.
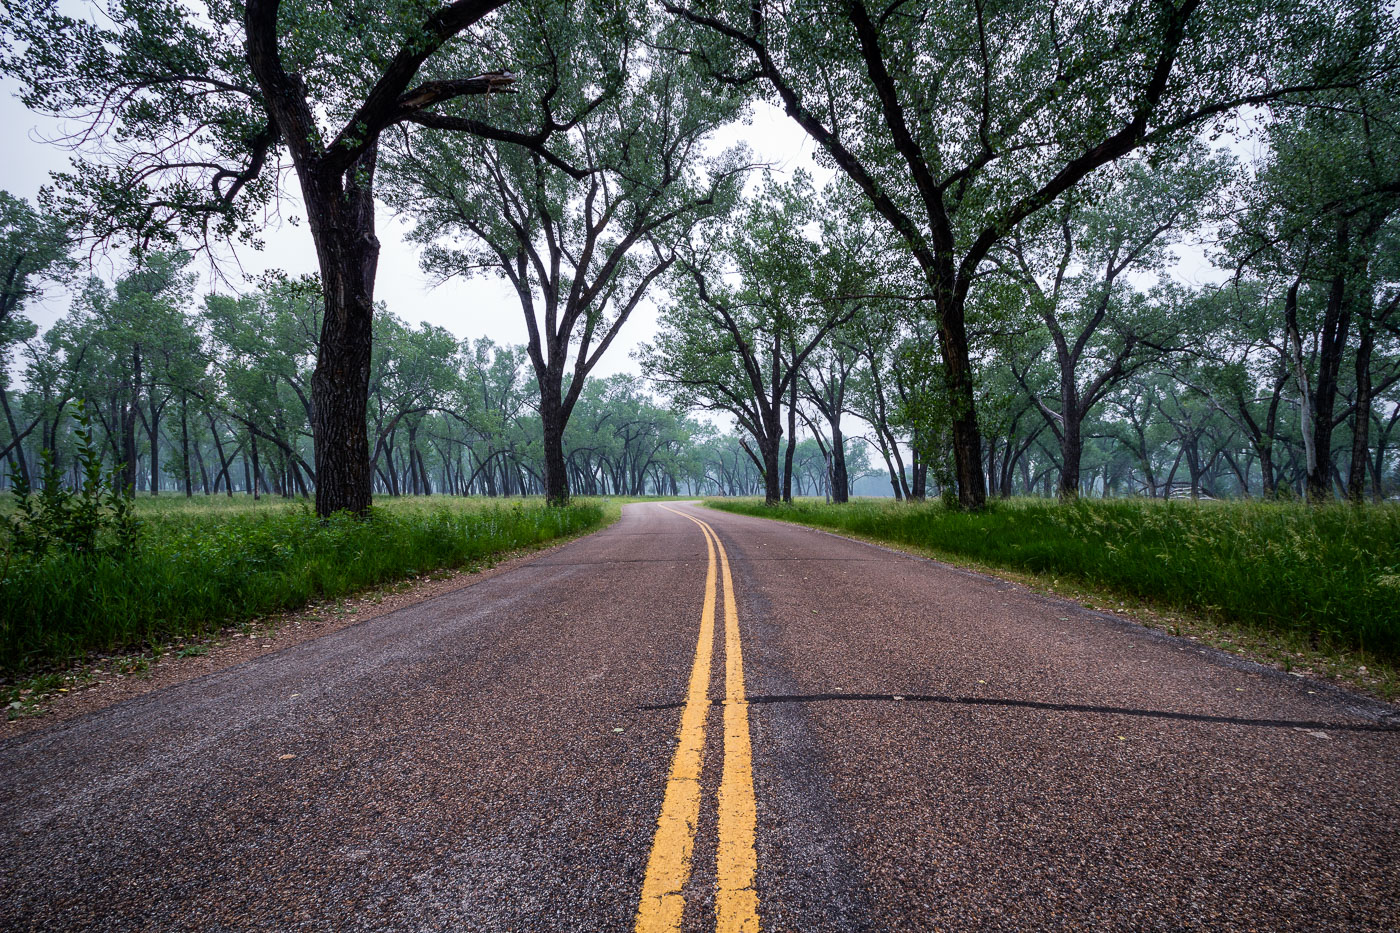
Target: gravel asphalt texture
{"x":933,"y":750}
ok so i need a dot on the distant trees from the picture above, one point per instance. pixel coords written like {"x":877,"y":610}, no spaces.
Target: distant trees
{"x":1072,"y":266}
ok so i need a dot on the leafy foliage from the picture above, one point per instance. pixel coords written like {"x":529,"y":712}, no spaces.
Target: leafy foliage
{"x":95,"y":518}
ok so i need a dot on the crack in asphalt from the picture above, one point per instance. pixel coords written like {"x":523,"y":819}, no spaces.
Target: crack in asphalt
{"x":1052,"y":707}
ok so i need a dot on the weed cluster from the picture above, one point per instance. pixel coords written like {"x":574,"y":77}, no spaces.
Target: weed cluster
{"x":96,"y":516}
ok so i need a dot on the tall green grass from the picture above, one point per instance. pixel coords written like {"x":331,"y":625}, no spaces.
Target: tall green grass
{"x":195,"y":570}
{"x":1331,"y":573}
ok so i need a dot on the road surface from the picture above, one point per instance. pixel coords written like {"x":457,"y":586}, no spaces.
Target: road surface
{"x":694,"y":720}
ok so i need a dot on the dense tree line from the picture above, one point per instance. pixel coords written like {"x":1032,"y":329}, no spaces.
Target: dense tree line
{"x":213,"y":397}
{"x":987,"y":299}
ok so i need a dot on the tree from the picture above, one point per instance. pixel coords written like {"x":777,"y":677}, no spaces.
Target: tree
{"x":34,"y":248}
{"x":1075,"y":262}
{"x":581,"y":252}
{"x":740,"y":348}
{"x":961,"y":120}
{"x":1314,"y":217}
{"x":188,"y":110}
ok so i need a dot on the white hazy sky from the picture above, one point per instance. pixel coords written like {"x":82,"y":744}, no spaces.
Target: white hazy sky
{"x":469,"y":308}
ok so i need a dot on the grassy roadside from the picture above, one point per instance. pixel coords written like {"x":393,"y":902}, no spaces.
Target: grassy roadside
{"x":29,"y":693}
{"x":1313,"y":591}
{"x":195,"y":570}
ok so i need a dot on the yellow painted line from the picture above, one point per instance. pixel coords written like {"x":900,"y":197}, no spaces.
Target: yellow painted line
{"x":662,"y":904}
{"x":736,"y":900}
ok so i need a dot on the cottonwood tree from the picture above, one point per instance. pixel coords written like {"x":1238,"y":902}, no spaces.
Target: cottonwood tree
{"x":1241,"y":362}
{"x":35,"y":249}
{"x":1314,"y":218}
{"x":188,"y":114}
{"x":960,"y":120}
{"x":744,"y":318}
{"x":580,"y":252}
{"x":1075,"y":265}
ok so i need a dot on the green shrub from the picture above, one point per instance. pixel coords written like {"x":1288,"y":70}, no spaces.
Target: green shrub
{"x":95,"y":517}
{"x":1330,"y":573}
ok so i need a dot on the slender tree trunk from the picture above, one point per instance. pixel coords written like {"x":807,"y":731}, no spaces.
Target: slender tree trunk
{"x":153,"y":433}
{"x":185,"y":445}
{"x":257,"y":467}
{"x":20,"y":464}
{"x":1361,"y":429}
{"x":128,"y":424}
{"x":791,"y":441}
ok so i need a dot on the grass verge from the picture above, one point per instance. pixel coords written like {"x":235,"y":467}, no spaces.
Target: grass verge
{"x":1315,"y":590}
{"x":194,"y":571}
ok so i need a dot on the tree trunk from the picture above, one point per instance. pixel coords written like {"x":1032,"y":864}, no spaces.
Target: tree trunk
{"x":772,"y":478}
{"x":347,"y":250}
{"x":20,"y":464}
{"x":967,"y":437}
{"x":1361,"y":430}
{"x":128,"y":425}
{"x":185,"y":445}
{"x":1071,"y":453}
{"x":556,"y":471}
{"x":153,"y":432}
{"x":791,"y":441}
{"x":257,"y":467}
{"x":840,"y":479}
{"x":1336,"y":323}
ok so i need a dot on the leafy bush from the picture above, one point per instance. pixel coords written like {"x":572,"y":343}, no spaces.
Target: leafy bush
{"x":1329,"y":573}
{"x":189,"y":573}
{"x":97,"y":516}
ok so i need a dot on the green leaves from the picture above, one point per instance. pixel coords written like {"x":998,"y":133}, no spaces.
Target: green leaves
{"x":95,"y":518}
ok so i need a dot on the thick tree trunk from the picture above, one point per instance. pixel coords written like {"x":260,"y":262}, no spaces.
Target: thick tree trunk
{"x":791,"y":442}
{"x":342,"y":215}
{"x":967,"y":436}
{"x":772,"y":478}
{"x":840,"y":480}
{"x":1071,"y":453}
{"x":1336,"y":323}
{"x":556,"y":471}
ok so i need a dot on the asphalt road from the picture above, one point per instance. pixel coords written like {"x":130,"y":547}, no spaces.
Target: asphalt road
{"x":904,"y":746}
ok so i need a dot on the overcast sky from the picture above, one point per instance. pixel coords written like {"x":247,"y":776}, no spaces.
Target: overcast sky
{"x":469,"y":308}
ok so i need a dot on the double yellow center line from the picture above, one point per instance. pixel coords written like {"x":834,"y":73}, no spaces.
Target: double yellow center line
{"x":662,"y":905}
